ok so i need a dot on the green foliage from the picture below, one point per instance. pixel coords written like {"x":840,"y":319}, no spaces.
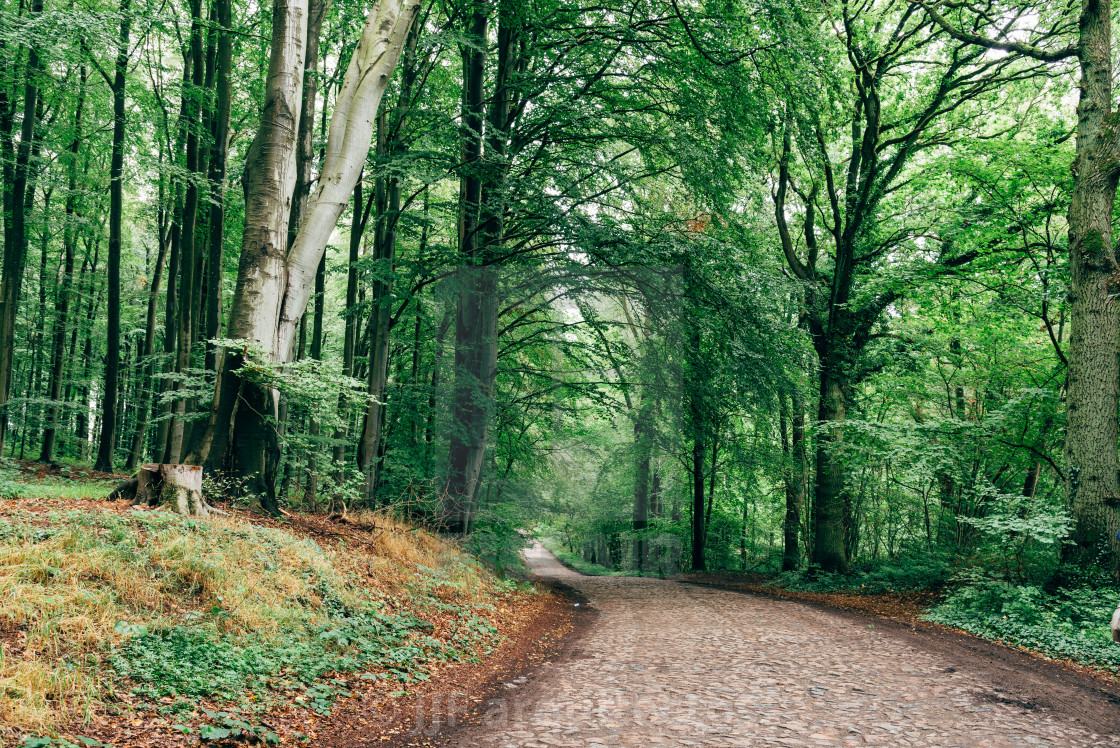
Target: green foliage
{"x":201,"y":663}
{"x":899,"y":575}
{"x":233,"y":727}
{"x":574,"y":561}
{"x":497,"y":540}
{"x":1066,"y":623}
{"x":43,"y":742}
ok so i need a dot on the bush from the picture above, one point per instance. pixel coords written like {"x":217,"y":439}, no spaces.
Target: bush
{"x":899,"y":575}
{"x":1069,"y":623}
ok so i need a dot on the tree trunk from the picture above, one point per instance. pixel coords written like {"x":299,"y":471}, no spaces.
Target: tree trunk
{"x":433,"y":394}
{"x":15,"y":230}
{"x":481,"y":209}
{"x":349,"y":341}
{"x":388,"y":207}
{"x":1093,"y":374}
{"x":794,"y":471}
{"x":470,"y":412}
{"x":274,"y":282}
{"x":172,"y":486}
{"x":218,"y":156}
{"x":643,"y":447}
{"x":62,"y":298}
{"x":351,"y":131}
{"x":116,"y":205}
{"x":147,"y":366}
{"x":699,"y":529}
{"x":189,"y":259}
{"x":316,"y":354}
{"x":829,"y":504}
{"x":82,"y":425}
{"x":270,"y":178}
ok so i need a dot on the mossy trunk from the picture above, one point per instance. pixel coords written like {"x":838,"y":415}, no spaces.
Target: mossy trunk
{"x":1094,"y":377}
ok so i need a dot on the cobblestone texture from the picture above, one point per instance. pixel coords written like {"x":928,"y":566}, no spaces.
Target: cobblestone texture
{"x":670,"y":664}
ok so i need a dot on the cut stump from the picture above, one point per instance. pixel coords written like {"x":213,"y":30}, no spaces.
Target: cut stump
{"x":175,"y":487}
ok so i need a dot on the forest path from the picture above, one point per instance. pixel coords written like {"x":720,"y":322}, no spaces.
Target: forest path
{"x":672,"y":664}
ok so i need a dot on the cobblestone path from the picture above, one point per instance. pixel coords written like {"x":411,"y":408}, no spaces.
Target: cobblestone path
{"x":671,"y":664}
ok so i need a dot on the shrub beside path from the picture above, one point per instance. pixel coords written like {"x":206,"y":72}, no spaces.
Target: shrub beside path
{"x":672,"y":664}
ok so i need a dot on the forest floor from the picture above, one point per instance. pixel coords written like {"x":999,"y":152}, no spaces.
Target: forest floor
{"x":124,"y":627}
{"x":670,"y":663}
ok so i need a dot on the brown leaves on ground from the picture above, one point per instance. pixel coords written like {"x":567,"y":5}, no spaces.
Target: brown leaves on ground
{"x":904,"y":607}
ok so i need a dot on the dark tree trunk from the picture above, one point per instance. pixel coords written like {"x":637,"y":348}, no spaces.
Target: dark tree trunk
{"x":147,"y":366}
{"x":481,"y":229}
{"x":699,"y":529}
{"x":1093,"y":374}
{"x":388,"y":207}
{"x":643,"y":446}
{"x":794,"y":473}
{"x":349,"y":341}
{"x":170,"y":325}
{"x":218,"y":156}
{"x":15,"y":227}
{"x":433,"y":395}
{"x":116,"y":204}
{"x":314,"y":429}
{"x":188,"y":262}
{"x":831,"y":500}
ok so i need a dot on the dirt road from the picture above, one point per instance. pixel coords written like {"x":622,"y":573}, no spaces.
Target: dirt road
{"x":672,"y":664}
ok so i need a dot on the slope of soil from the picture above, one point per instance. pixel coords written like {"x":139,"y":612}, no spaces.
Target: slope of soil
{"x":120,"y":625}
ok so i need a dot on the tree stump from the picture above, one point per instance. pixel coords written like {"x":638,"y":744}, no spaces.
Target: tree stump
{"x":175,"y":487}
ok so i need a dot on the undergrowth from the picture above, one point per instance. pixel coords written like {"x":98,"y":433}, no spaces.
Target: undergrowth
{"x":1067,"y":623}
{"x":901,"y":575}
{"x":160,"y":611}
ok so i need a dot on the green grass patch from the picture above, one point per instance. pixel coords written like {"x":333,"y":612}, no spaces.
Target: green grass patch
{"x":16,"y":484}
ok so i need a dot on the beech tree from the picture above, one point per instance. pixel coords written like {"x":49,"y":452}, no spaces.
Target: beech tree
{"x":273,"y":281}
{"x":1093,"y":384}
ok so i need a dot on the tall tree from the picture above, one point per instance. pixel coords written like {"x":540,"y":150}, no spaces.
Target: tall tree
{"x":62,"y":296}
{"x":274,"y":280}
{"x":15,"y":218}
{"x":1093,"y":400}
{"x":107,"y":440}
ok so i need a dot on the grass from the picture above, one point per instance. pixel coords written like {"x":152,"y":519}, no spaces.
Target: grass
{"x":144,"y":606}
{"x":53,"y":488}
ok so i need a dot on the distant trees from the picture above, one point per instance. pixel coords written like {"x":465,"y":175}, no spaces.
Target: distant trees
{"x":650,"y":257}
